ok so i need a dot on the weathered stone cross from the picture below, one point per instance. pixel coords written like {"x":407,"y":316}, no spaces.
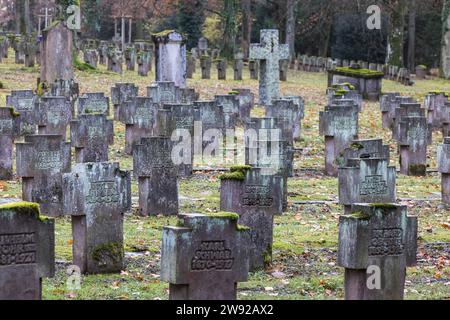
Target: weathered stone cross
{"x":270,"y":52}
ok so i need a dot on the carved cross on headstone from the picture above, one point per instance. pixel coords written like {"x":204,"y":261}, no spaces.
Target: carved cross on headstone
{"x":377,"y":241}
{"x":41,"y":161}
{"x":97,"y":195}
{"x":157,"y":177}
{"x":256,"y":199}
{"x":8,"y":130}
{"x":91,"y":134}
{"x":269,"y":52}
{"x":205,"y":257}
{"x":27,"y":254}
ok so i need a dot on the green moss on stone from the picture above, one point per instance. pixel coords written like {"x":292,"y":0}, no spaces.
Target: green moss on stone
{"x":358,"y":73}
{"x":359,"y":215}
{"x":163,"y":33}
{"x":22,"y":207}
{"x":240,"y":168}
{"x":112,"y":250}
{"x":224,"y":215}
{"x":242,"y":228}
{"x":417,"y":169}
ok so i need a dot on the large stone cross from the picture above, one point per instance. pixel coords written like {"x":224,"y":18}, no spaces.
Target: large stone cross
{"x":270,"y":52}
{"x":205,"y":257}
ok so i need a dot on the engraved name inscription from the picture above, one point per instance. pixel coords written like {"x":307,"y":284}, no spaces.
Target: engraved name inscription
{"x":212,"y":255}
{"x":386,"y":242}
{"x":6,"y":126}
{"x":48,"y":160}
{"x":103,"y":192}
{"x":19,"y":248}
{"x":257,"y":196}
{"x":373,"y":185}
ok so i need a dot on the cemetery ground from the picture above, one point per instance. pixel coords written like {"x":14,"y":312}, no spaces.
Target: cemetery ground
{"x":305,"y":238}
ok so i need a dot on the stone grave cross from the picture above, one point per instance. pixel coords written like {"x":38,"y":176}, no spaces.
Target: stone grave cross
{"x":269,"y":52}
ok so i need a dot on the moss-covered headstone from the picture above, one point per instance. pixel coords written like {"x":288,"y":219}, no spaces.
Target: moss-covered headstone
{"x":53,"y":115}
{"x":24,"y":103}
{"x":376,"y":244}
{"x":27,"y":253}
{"x":256,"y":198}
{"x":205,"y":257}
{"x":366,"y":180}
{"x":413,"y":139}
{"x":93,"y":102}
{"x":96,"y":196}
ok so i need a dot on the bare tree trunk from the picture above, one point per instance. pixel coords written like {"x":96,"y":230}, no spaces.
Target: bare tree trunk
{"x":445,"y":49}
{"x":26,"y":16}
{"x":290,"y":26}
{"x":412,"y":37}
{"x":139,"y":29}
{"x":246,"y":26}
{"x":396,"y":35}
{"x":18,"y":9}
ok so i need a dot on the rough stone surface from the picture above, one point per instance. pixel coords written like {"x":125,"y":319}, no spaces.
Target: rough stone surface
{"x":28,"y":250}
{"x":205,"y":257}
{"x":256,"y":199}
{"x":97,"y":195}
{"x":157,"y":177}
{"x":269,"y":52}
{"x":41,"y":160}
{"x":383,"y":236}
